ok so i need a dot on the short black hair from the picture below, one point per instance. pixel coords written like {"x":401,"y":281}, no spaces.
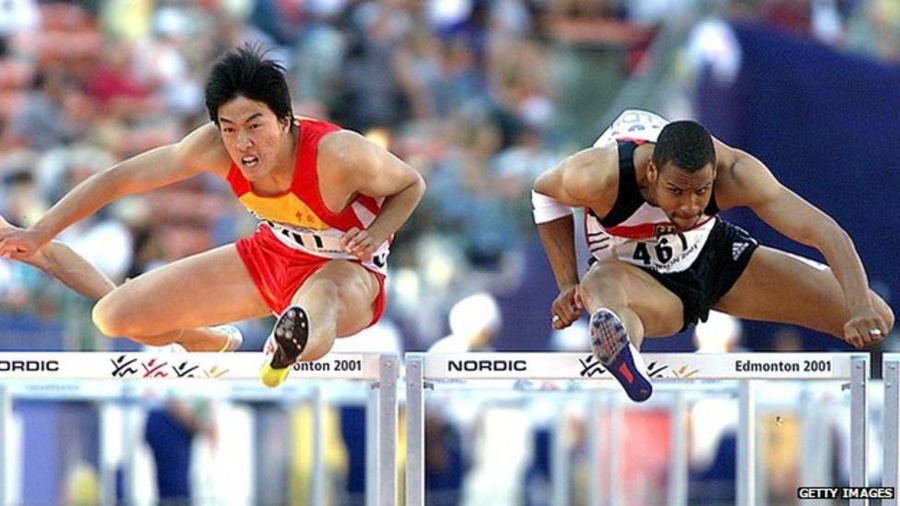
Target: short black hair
{"x":685,"y":143}
{"x":247,"y":72}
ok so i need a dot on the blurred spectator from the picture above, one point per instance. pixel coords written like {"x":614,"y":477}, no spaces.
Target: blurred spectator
{"x":17,"y":17}
{"x":515,"y":168}
{"x":792,"y":16}
{"x":875,"y":29}
{"x":170,"y":432}
{"x":574,"y":338}
{"x":22,"y":288}
{"x":464,"y":86}
{"x":712,"y":422}
{"x":126,"y":20}
{"x":474,"y":323}
{"x":372,"y":93}
{"x":787,"y":339}
{"x":283,"y":21}
{"x":720,"y":333}
{"x":22,"y":201}
{"x":116,"y":87}
{"x":463,"y":197}
{"x":318,"y":57}
{"x":445,"y":463}
{"x":102,"y":239}
{"x":43,"y":121}
{"x":160,"y":63}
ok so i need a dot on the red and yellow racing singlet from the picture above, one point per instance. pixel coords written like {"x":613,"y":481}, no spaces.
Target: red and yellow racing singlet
{"x":299,"y":217}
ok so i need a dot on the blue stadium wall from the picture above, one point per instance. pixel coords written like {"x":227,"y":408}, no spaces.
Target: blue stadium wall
{"x":828,"y":125}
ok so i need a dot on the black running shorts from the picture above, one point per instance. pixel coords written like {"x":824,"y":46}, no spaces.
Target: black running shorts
{"x":721,"y":262}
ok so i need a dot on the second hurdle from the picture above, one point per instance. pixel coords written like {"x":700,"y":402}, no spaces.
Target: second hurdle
{"x":674,"y":375}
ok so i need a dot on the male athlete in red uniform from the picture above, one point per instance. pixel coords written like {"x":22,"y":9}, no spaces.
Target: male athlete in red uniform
{"x":328,"y":201}
{"x":661,"y":258}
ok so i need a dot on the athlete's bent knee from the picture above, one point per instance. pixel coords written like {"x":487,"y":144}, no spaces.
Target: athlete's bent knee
{"x":317,"y":349}
{"x":883,"y":309}
{"x":888,"y":316}
{"x":101,"y":319}
{"x":110,"y":318}
{"x":601,"y":279}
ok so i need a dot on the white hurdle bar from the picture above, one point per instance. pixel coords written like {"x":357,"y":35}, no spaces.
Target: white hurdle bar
{"x":129,"y":376}
{"x":891,"y":424}
{"x":425,"y":370}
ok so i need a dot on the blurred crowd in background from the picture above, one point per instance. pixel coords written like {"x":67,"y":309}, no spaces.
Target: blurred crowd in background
{"x":480,"y":96}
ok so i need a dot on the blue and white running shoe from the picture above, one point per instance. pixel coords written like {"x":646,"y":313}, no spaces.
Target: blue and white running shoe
{"x":613,"y":349}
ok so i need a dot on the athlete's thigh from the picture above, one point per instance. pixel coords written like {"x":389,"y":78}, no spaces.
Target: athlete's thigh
{"x":785,"y":288}
{"x":660,"y":310}
{"x":204,"y":289}
{"x":351,"y":287}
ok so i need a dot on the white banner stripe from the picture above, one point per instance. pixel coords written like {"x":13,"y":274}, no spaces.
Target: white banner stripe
{"x":661,"y":366}
{"x":167,"y":366}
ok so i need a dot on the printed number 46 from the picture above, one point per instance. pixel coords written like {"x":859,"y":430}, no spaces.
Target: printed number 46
{"x":662,"y":250}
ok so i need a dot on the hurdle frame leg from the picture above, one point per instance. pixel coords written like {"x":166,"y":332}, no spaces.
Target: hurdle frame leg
{"x":678,"y":463}
{"x":596,"y":406}
{"x":386,"y":478}
{"x":859,"y":423}
{"x":891,"y":424}
{"x":746,"y":439}
{"x":614,"y":462}
{"x":5,"y":429}
{"x":415,"y":431}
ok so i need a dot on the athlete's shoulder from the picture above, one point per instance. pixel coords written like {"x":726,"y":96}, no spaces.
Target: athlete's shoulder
{"x":315,"y":124}
{"x":633,"y":124}
{"x":590,"y":175}
{"x":203,"y":148}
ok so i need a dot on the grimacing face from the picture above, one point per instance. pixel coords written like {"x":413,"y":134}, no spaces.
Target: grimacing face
{"x":681,"y":194}
{"x":252,"y":135}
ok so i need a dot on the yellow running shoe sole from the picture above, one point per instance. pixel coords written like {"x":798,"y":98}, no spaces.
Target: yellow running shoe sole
{"x":272,"y":377}
{"x":290,"y":334}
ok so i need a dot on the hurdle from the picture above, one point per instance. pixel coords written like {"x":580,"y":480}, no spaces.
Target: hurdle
{"x":891,"y":468}
{"x":675,"y":371}
{"x":129,"y":377}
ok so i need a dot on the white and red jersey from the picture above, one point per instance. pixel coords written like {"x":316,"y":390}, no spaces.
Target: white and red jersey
{"x":299,"y":217}
{"x":635,"y":231}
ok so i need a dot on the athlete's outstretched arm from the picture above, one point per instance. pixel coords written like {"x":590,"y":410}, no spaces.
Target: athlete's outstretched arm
{"x":67,"y":266}
{"x":72,"y":270}
{"x":746,"y":181}
{"x":201,"y":150}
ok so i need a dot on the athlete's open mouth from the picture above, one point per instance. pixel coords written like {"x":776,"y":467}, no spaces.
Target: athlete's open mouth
{"x":249,"y":161}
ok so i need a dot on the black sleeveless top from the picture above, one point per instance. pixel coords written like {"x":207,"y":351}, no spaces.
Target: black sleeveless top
{"x":629,"y":198}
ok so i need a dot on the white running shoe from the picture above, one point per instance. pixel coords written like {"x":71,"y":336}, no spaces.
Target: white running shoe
{"x":233,"y":335}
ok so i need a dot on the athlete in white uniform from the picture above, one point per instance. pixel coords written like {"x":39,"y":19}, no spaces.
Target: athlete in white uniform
{"x":661,"y":258}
